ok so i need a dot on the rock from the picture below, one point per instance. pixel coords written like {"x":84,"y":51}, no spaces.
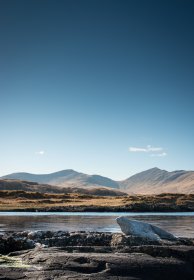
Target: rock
{"x":94,"y":255}
{"x":54,"y":263}
{"x":17,"y":241}
{"x":143,"y":230}
{"x":122,"y":240}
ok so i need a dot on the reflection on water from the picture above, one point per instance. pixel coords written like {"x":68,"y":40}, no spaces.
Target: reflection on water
{"x":180,"y":224}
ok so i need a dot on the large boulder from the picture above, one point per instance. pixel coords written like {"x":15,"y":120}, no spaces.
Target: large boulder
{"x":143,"y":230}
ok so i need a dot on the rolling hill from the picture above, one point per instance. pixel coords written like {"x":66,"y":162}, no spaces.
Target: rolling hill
{"x":18,"y":185}
{"x":152,"y":181}
{"x":66,"y":178}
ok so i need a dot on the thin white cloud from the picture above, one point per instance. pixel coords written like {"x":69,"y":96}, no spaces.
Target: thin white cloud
{"x":164,"y":154}
{"x":40,"y":153}
{"x":152,"y":151}
{"x":147,"y":149}
{"x":136,"y":149}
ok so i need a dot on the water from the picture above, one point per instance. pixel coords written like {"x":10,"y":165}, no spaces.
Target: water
{"x":180,"y":224}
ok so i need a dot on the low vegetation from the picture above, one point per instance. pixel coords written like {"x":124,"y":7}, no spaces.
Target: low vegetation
{"x":6,"y":261}
{"x":36,"y":201}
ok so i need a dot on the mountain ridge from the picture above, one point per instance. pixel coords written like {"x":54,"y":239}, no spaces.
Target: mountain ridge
{"x":65,"y":178}
{"x":156,"y":181}
{"x":151,"y":181}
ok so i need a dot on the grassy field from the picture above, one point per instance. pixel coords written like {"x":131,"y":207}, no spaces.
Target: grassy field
{"x":21,"y":200}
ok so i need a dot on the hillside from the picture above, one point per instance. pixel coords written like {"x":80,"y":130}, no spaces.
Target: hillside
{"x":18,"y":185}
{"x":156,"y":181}
{"x":66,"y":178}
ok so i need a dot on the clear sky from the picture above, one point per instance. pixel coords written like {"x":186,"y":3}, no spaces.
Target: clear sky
{"x":99,"y":86}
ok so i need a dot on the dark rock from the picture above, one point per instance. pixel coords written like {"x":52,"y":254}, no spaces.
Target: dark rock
{"x":10,"y":242}
{"x":120,"y":240}
{"x":92,"y":255}
{"x":53,"y":263}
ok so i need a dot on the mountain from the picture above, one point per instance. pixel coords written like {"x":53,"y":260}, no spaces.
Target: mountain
{"x":156,"y":181}
{"x":152,"y":181}
{"x":18,"y":185}
{"x":66,"y":178}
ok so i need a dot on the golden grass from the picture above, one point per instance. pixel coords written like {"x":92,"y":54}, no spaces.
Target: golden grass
{"x":13,"y":200}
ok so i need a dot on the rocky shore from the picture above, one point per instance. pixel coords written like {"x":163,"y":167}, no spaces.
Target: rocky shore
{"x":46,"y":255}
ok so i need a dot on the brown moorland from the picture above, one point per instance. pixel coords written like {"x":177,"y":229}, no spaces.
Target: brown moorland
{"x":36,"y":201}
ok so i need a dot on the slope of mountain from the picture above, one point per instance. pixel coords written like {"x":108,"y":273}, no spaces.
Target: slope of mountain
{"x":17,"y":185}
{"x":43,"y":178}
{"x":156,"y":181}
{"x":66,"y":178}
{"x":152,"y":181}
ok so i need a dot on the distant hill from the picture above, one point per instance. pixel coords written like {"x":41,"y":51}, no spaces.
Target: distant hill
{"x":66,"y":178}
{"x":156,"y":181}
{"x":152,"y":181}
{"x":18,"y":185}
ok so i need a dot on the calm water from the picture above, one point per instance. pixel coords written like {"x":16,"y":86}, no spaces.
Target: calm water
{"x":180,"y":224}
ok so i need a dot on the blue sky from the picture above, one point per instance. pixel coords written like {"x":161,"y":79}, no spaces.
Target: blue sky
{"x":98,"y":86}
